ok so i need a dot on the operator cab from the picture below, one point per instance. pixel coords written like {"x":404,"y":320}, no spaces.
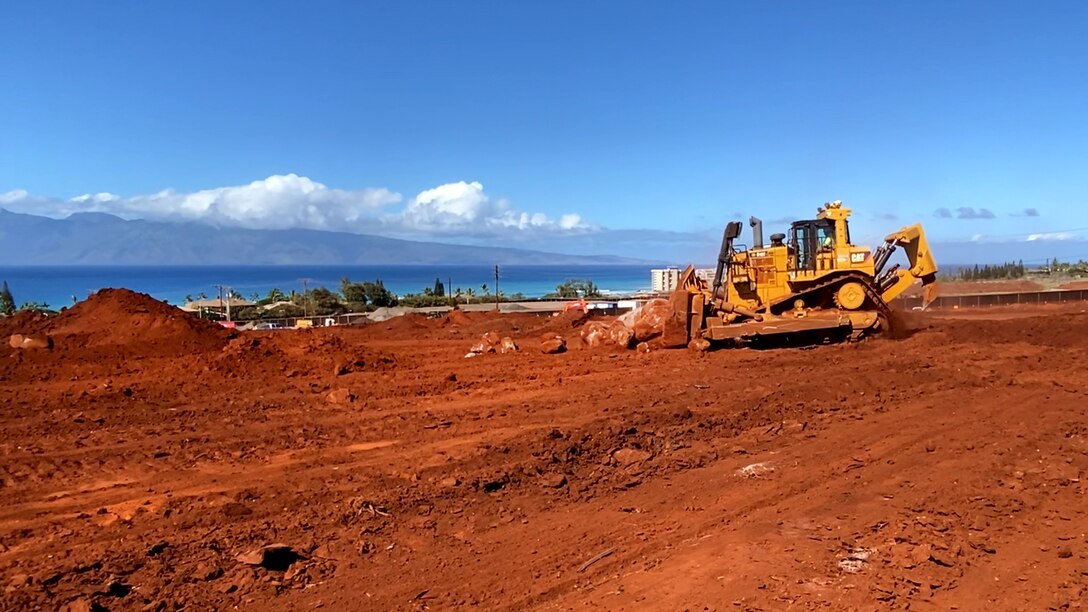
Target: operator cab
{"x":814,"y":237}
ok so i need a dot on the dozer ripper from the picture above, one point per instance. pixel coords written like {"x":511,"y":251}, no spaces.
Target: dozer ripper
{"x":814,"y":286}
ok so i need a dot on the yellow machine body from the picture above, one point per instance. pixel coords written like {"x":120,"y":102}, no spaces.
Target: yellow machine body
{"x":814,"y":282}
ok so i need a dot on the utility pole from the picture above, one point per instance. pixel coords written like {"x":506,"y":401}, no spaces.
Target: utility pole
{"x":305,"y":295}
{"x":224,"y":305}
{"x":220,"y":288}
{"x":496,"y":288}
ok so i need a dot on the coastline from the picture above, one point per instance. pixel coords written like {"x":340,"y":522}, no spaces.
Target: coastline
{"x":58,"y":285}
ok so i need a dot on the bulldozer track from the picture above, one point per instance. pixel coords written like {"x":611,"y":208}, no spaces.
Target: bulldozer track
{"x":871,"y":293}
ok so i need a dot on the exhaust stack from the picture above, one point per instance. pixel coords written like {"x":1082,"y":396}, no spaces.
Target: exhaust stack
{"x":757,"y":232}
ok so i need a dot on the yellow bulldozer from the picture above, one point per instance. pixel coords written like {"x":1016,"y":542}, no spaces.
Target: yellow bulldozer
{"x":812,"y":286}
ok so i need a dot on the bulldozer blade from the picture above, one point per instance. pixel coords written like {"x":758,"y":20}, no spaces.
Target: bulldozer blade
{"x":677,"y":331}
{"x":828,"y":323}
{"x":777,"y":327}
{"x":929,"y":293}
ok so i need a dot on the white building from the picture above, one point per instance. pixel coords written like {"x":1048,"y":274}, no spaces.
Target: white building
{"x":706,"y":274}
{"x":665,"y":280}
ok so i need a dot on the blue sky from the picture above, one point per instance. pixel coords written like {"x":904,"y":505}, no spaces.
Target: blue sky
{"x":553,"y":124}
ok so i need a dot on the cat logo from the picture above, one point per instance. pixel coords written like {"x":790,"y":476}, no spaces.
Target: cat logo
{"x":858,"y":257}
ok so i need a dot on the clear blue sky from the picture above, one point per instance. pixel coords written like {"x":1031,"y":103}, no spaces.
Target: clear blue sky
{"x":664,"y":116}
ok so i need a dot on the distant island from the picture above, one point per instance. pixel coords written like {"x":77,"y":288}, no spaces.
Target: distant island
{"x":102,"y":239}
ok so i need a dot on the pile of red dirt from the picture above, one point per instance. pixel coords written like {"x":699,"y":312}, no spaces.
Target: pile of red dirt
{"x":311,"y":352}
{"x":456,"y":318}
{"x":23,"y":322}
{"x":561,"y":324}
{"x":131,"y":320}
{"x":408,"y":324}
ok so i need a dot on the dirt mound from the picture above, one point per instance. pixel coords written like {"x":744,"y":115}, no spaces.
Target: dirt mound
{"x":561,"y":324}
{"x":23,"y":322}
{"x":124,"y":318}
{"x":405,"y":324}
{"x":311,"y":353}
{"x":457,"y":318}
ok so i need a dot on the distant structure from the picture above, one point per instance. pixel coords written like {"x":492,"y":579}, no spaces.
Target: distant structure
{"x":217,"y":305}
{"x":664,"y":280}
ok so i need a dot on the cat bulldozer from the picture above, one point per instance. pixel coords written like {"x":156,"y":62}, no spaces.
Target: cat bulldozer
{"x":812,"y":286}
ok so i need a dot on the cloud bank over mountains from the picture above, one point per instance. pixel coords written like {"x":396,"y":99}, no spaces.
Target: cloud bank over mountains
{"x":464,"y":213}
{"x":290,"y":201}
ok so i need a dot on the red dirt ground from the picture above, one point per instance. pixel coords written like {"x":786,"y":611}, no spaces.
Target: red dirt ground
{"x":148,"y":450}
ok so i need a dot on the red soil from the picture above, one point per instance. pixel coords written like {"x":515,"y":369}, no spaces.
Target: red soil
{"x":149,"y":450}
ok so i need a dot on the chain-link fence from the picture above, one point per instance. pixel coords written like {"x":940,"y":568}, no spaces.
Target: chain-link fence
{"x":998,"y":299}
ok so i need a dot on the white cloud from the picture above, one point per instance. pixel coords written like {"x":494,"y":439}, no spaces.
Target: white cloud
{"x":1051,"y":236}
{"x":14,"y":197}
{"x":98,"y":198}
{"x":464,"y":208}
{"x":292,"y":201}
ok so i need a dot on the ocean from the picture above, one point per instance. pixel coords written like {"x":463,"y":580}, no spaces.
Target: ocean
{"x":60,"y":286}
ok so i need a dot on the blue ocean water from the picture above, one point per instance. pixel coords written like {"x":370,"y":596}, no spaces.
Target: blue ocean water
{"x":62,"y":285}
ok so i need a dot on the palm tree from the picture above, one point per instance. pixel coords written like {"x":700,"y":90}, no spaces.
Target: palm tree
{"x":483,"y":289}
{"x":469,"y":293}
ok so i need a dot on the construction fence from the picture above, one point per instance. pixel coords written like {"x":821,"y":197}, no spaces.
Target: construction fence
{"x":998,"y":299}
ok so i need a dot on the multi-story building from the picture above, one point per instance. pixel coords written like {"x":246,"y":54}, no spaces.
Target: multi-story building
{"x":664,"y":280}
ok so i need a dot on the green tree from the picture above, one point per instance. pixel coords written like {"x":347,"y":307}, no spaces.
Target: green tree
{"x":439,"y":287}
{"x":323,"y":301}
{"x":577,"y":288}
{"x":275,"y":295}
{"x":352,"y":292}
{"x":35,"y":306}
{"x":425,"y":299}
{"x":378,"y":295}
{"x":7,"y":302}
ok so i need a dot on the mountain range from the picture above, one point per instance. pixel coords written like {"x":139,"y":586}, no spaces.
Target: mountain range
{"x":103,"y":239}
